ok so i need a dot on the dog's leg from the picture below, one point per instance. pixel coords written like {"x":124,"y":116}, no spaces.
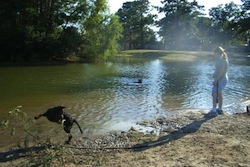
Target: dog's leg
{"x":69,"y":139}
{"x":67,"y":129}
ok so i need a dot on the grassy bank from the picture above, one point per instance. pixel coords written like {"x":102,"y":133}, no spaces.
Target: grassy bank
{"x":166,"y":55}
{"x":234,"y":58}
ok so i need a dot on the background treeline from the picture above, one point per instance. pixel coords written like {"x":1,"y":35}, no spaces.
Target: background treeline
{"x":43,"y":30}
{"x":33,"y":30}
{"x":183,"y":25}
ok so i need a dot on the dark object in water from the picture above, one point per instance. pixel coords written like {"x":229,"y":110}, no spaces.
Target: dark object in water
{"x":57,"y":115}
{"x":247,"y":111}
{"x":138,"y":81}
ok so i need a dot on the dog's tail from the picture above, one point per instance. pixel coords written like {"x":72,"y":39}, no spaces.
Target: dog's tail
{"x":78,"y":125}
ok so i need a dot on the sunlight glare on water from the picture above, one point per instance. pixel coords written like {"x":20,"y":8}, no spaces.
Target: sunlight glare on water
{"x":117,"y":95}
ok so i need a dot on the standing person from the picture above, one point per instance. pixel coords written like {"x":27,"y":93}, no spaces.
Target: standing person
{"x":220,"y":78}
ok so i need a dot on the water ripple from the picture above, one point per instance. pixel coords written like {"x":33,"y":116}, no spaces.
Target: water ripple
{"x":117,"y":95}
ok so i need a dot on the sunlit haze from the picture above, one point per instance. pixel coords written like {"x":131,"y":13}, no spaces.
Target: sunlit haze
{"x":208,"y":4}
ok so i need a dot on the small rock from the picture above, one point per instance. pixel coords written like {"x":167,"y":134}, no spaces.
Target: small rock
{"x":132,"y":129}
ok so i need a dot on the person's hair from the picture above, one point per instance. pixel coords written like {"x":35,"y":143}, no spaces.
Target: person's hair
{"x":220,"y":51}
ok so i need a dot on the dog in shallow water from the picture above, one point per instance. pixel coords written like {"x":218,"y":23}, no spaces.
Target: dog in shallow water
{"x":57,"y":115}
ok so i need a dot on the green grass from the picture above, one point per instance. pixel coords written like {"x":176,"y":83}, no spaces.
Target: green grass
{"x":168,"y":55}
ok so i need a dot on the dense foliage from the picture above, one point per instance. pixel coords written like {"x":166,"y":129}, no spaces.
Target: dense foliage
{"x":184,"y":26}
{"x":136,"y":18}
{"x":55,"y":29}
{"x":43,"y":30}
{"x":178,"y":26}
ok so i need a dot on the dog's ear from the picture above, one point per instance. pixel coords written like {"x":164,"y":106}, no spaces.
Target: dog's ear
{"x":59,"y":111}
{"x":59,"y":108}
{"x":62,"y":107}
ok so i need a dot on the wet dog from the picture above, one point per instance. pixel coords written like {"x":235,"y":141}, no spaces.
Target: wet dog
{"x":57,"y":115}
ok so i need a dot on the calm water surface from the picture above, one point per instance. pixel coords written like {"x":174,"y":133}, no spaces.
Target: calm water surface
{"x":107,"y":96}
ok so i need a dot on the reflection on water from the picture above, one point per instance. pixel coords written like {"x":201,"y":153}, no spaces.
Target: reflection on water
{"x":114,"y":96}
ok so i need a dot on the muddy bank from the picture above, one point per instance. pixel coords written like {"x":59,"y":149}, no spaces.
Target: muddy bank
{"x":189,"y":138}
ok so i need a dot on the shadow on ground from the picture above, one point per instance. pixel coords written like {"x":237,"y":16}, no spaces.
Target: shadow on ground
{"x":19,"y":153}
{"x":188,"y":129}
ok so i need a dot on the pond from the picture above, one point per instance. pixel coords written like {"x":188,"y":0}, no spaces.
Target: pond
{"x":116,"y":95}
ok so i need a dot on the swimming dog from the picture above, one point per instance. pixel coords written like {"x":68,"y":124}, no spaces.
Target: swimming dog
{"x":57,"y":115}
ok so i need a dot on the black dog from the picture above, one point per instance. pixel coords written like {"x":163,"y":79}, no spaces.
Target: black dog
{"x":57,"y":115}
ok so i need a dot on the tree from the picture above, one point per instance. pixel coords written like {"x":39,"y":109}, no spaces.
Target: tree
{"x":225,"y":21}
{"x":177,"y":27}
{"x":48,"y":29}
{"x":136,"y":19}
{"x":243,"y":25}
{"x":32,"y":28}
{"x":101,"y":32}
{"x":204,"y":32}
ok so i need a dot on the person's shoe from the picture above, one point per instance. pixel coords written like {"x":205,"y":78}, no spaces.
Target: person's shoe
{"x":212,"y":112}
{"x":220,"y":111}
